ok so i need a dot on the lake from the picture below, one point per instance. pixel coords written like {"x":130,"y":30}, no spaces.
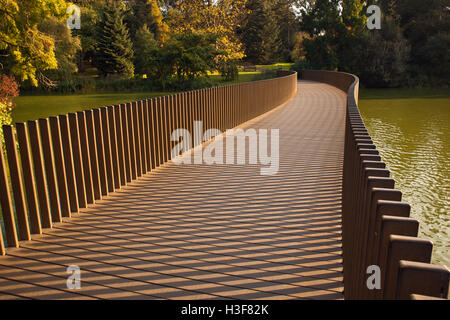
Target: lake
{"x":411,"y":128}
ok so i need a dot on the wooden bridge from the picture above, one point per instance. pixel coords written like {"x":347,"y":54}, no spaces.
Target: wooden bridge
{"x":101,"y":190}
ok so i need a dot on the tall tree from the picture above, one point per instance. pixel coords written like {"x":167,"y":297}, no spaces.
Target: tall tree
{"x":261,"y":33}
{"x":115,"y":52}
{"x":25,"y":51}
{"x":66,"y":47}
{"x":323,"y":24}
{"x":146,"y":53}
{"x":426,"y":28}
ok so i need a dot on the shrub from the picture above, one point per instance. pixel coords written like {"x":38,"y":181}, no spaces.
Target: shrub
{"x":9,"y":89}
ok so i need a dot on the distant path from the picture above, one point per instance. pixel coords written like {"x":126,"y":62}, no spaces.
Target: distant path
{"x":200,"y":232}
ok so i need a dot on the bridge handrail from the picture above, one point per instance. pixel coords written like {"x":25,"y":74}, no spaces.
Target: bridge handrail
{"x":57,"y":165}
{"x":376,"y":227}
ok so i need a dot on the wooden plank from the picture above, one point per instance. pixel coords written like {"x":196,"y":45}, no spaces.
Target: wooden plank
{"x":131,"y":141}
{"x":142,"y":140}
{"x":85,"y":158}
{"x":2,"y":245}
{"x":169,"y":108}
{"x":155,"y":132}
{"x":28,"y":179}
{"x":137,"y":138}
{"x":50,"y":171}
{"x":147,"y":134}
{"x":113,"y":143}
{"x":68,"y":163}
{"x":39,"y":174}
{"x":165,"y":129}
{"x":107,"y":149}
{"x":16,"y":182}
{"x":59,"y":167}
{"x":126,"y":141}
{"x":77,"y":159}
{"x":100,"y":151}
{"x":6,"y":203}
{"x":119,"y":140}
{"x":159,"y":112}
{"x":93,"y":154}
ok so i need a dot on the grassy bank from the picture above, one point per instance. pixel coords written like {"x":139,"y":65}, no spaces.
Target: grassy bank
{"x":35,"y":106}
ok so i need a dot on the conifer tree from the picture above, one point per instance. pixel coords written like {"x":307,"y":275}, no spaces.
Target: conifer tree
{"x":115,"y":52}
{"x":261,"y":34}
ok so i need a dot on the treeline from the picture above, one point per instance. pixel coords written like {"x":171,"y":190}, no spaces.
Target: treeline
{"x":153,"y":44}
{"x":410,"y":49}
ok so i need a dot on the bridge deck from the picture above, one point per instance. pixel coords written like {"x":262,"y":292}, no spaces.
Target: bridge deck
{"x":199,"y":231}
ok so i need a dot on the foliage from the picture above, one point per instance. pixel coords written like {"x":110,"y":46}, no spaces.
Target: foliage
{"x":91,"y":13}
{"x":298,"y":51}
{"x":66,"y":48}
{"x":382,"y":56}
{"x":261,"y":34}
{"x":190,"y":55}
{"x":26,"y":51}
{"x":301,"y":65}
{"x":228,"y":70}
{"x":145,"y":52}
{"x":114,"y":53}
{"x":147,"y":12}
{"x":9,"y":89}
{"x":221,"y":18}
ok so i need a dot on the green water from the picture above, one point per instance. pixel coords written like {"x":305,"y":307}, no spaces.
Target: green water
{"x":411,"y":129}
{"x":33,"y":107}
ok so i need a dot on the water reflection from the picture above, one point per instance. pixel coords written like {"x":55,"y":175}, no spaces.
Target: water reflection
{"x":413,"y":137}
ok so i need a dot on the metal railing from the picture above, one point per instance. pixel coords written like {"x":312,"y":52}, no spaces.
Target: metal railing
{"x":376,"y":227}
{"x":58,"y":165}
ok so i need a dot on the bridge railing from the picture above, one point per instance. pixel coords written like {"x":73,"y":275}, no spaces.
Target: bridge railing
{"x":56,"y":166}
{"x":377,"y":229}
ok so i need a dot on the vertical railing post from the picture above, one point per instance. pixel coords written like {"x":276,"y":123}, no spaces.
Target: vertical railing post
{"x":68,"y":163}
{"x":50,"y":171}
{"x":16,"y":182}
{"x":6,"y":203}
{"x":85,"y":157}
{"x":28,"y":178}
{"x":39,"y":172}
{"x":77,"y":160}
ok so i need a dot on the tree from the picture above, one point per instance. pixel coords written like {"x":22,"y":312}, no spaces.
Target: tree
{"x":66,"y":47}
{"x":191,"y":54}
{"x":324,"y":26}
{"x":146,"y":52}
{"x":147,"y":12}
{"x":115,"y":52}
{"x":426,"y":26}
{"x":261,"y":33}
{"x":382,"y":56}
{"x":91,"y":13}
{"x":283,"y":12}
{"x":25,"y":50}
{"x":221,"y":18}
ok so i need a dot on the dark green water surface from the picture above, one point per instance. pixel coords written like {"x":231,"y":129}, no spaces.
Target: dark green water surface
{"x":411,"y":128}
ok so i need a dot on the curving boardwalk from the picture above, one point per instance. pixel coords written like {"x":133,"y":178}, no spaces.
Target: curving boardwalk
{"x":208,"y":232}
